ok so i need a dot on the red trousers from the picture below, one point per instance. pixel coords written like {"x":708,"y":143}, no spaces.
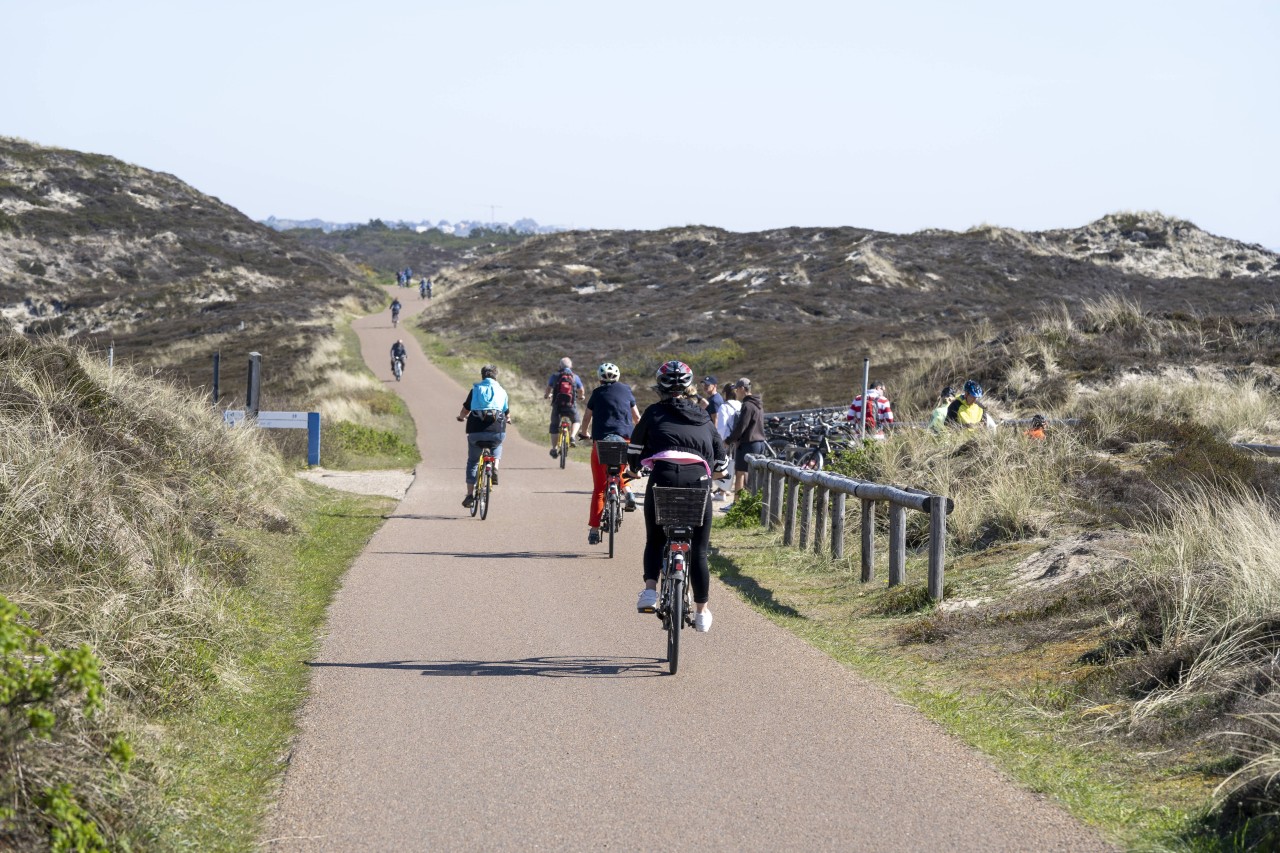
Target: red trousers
{"x":599,"y":479}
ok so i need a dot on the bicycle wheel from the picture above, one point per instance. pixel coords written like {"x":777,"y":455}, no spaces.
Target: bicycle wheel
{"x":482,"y":489}
{"x":397,"y":369}
{"x":675,"y":621}
{"x":811,"y":460}
{"x":615,"y":517}
{"x":564,"y":446}
{"x":475,"y":499}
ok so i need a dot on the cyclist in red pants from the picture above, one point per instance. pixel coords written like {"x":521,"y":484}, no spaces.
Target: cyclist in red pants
{"x":611,"y":414}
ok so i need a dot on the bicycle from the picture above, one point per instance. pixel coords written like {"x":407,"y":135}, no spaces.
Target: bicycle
{"x":566,"y":429}
{"x":484,"y":480}
{"x":395,"y":318}
{"x":613,"y":455}
{"x":679,"y":512}
{"x":397,"y":367}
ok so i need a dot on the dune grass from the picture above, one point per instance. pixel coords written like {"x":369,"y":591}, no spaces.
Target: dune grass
{"x":191,"y":568}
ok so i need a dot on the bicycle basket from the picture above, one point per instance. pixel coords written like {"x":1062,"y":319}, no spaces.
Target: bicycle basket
{"x":684,"y":507}
{"x":612,"y":452}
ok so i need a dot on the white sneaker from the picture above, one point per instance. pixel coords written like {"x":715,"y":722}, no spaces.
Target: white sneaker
{"x":702,"y":622}
{"x":648,"y":602}
{"x":717,"y":495}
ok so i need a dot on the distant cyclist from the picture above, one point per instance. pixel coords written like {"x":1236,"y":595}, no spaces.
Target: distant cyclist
{"x":680,"y":446}
{"x":564,"y":390}
{"x":395,"y":310}
{"x":486,"y":410}
{"x":876,"y":411}
{"x":965,"y":411}
{"x":398,"y":351}
{"x":611,"y":414}
{"x":422,"y":289}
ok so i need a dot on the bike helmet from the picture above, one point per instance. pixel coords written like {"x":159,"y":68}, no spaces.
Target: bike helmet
{"x":971,"y":387}
{"x":608,"y":372}
{"x":674,"y":377}
{"x":489,"y":371}
{"x":948,"y":392}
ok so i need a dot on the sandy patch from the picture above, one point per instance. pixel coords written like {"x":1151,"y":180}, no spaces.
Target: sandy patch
{"x":391,"y":484}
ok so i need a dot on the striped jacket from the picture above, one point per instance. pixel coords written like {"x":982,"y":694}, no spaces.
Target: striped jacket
{"x":880,"y":416}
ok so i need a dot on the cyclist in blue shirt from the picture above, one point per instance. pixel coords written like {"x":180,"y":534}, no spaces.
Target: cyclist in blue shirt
{"x":487,"y":412}
{"x":611,"y":414}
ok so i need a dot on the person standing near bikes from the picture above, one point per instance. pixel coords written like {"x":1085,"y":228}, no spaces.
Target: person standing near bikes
{"x":747,"y":435}
{"x":679,"y":445}
{"x":398,"y":351}
{"x":610,"y":414}
{"x":876,"y":411}
{"x":487,"y":411}
{"x":564,"y":390}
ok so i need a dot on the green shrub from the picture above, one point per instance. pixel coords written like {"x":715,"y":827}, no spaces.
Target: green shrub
{"x":745,"y":511}
{"x":41,"y":692}
{"x":367,"y":441}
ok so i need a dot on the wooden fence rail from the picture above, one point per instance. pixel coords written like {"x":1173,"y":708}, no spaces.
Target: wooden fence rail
{"x":808,"y":524}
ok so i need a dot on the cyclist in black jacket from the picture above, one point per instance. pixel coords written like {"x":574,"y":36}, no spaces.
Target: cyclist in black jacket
{"x":680,"y":446}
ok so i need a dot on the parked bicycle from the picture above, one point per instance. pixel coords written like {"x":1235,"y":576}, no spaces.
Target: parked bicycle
{"x":679,"y":512}
{"x":612,"y":455}
{"x":484,"y":480}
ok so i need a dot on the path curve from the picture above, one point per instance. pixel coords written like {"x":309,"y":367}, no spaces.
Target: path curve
{"x":489,"y":685}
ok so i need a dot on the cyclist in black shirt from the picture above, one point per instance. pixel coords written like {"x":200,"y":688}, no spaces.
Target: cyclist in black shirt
{"x":680,"y":446}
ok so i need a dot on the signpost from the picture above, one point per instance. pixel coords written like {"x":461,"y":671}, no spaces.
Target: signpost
{"x":310,"y":421}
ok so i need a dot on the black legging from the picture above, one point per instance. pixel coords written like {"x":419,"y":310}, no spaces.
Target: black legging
{"x":687,"y":477}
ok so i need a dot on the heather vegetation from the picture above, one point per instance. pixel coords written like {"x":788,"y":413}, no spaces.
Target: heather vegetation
{"x":1133,"y":548}
{"x":141,"y":574}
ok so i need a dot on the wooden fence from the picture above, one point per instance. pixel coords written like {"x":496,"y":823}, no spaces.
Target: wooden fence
{"x":821,"y":517}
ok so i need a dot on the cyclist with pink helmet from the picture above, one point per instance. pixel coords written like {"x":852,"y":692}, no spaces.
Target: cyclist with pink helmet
{"x":679,"y":445}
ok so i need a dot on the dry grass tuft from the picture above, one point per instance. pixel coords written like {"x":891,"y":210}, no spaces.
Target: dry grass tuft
{"x":119,"y":498}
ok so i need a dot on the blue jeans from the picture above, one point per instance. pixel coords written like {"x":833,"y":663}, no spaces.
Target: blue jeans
{"x":473,"y":451}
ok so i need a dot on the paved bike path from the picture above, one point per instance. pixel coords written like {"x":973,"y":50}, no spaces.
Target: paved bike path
{"x":489,"y":685}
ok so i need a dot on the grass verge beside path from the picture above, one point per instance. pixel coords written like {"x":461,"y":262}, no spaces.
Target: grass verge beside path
{"x":226,"y":755}
{"x":1003,"y":707}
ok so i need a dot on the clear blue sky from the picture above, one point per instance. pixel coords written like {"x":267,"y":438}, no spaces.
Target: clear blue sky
{"x":741,"y":114}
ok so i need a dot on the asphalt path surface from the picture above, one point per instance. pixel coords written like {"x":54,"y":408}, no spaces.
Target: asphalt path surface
{"x":488,"y":685}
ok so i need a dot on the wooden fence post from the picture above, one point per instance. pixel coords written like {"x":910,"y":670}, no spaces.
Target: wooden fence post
{"x":806,"y":516}
{"x":793,"y":501}
{"x":937,"y":545}
{"x":897,"y":544}
{"x":820,"y":518}
{"x":868,"y":539}
{"x":837,"y":526}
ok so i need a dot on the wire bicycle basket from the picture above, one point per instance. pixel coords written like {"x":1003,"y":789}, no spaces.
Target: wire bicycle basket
{"x":676,"y":507}
{"x":611,"y":452}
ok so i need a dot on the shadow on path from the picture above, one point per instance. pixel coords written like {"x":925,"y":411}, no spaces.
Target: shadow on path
{"x":731,"y":575}
{"x":546,"y":667}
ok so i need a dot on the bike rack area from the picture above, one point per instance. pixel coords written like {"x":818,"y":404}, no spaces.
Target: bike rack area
{"x":824,"y":508}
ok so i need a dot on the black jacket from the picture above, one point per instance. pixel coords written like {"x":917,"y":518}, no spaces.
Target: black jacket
{"x":676,"y":424}
{"x":750,"y":423}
